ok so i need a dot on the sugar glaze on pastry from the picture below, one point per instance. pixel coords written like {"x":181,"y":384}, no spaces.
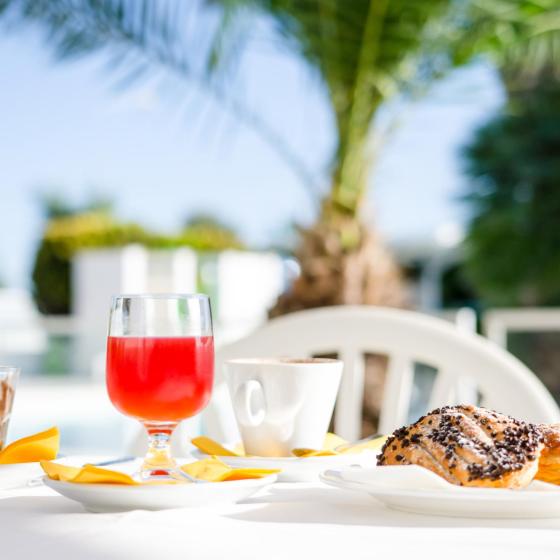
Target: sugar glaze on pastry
{"x":469,"y":446}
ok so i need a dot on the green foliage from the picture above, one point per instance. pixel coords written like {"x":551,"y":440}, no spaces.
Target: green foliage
{"x":51,"y":281}
{"x":65,"y":236}
{"x":513,"y":247}
{"x":55,"y":205}
{"x":206,"y":233}
{"x":456,"y":289}
{"x":521,"y":37}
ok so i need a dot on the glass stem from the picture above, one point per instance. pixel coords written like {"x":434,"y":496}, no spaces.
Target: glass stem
{"x":158,"y":460}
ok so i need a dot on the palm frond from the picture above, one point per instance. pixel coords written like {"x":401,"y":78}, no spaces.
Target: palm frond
{"x":196,"y":40}
{"x":521,"y":37}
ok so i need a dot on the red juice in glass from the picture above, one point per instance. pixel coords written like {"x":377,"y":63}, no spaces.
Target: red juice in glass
{"x":162,"y":379}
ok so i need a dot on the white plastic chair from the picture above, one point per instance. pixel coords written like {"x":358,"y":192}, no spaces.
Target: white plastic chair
{"x":462,"y":360}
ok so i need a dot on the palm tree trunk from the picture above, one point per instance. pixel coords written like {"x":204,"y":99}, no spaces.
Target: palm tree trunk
{"x":342,"y":260}
{"x":333,"y":273}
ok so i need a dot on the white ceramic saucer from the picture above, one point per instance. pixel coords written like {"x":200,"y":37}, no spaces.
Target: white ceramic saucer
{"x":417,"y":490}
{"x":298,"y":469}
{"x":103,"y":498}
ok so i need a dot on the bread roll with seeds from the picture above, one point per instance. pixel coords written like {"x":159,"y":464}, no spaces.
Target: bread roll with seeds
{"x":469,"y":446}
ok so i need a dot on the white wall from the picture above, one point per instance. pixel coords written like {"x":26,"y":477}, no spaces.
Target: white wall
{"x":247,"y":286}
{"x":98,"y":275}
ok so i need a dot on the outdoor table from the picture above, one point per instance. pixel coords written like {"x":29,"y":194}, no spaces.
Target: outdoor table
{"x":287,"y":520}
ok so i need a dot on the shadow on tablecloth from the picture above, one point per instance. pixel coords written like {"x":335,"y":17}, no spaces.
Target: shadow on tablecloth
{"x":332,"y":506}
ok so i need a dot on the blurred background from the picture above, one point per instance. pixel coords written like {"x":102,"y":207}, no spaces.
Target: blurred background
{"x":278,"y":155}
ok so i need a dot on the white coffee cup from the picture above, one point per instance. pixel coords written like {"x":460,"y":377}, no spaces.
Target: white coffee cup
{"x":282,"y":403}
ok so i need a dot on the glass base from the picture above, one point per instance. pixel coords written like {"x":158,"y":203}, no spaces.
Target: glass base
{"x":171,"y":476}
{"x":159,"y":465}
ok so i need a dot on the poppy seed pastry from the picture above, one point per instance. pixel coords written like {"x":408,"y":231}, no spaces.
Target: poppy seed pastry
{"x":469,"y":446}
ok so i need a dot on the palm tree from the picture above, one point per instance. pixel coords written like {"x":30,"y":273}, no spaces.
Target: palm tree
{"x":365,"y":52}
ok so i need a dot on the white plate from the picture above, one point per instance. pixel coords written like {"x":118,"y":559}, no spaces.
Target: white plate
{"x":114,"y":497}
{"x":298,"y":469}
{"x":435,"y":496}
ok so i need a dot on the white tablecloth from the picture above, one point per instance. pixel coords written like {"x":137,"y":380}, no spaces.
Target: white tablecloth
{"x":287,"y":521}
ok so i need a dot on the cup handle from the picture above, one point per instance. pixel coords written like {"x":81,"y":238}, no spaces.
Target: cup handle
{"x":250,"y":404}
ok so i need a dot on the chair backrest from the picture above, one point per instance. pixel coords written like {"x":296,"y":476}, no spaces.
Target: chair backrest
{"x":498,"y":323}
{"x":463,"y":362}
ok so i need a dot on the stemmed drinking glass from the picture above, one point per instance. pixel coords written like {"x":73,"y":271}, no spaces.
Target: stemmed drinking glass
{"x":160,"y":367}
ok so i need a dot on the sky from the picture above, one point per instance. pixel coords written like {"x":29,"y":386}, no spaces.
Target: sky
{"x":165,"y":150}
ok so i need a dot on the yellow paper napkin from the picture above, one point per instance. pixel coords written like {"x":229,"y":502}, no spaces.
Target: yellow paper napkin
{"x":211,"y":447}
{"x":211,"y":470}
{"x":38,"y":447}
{"x":331,"y":441}
{"x":342,"y":447}
{"x":333,"y":445}
{"x":88,"y":474}
{"x":214,"y":470}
